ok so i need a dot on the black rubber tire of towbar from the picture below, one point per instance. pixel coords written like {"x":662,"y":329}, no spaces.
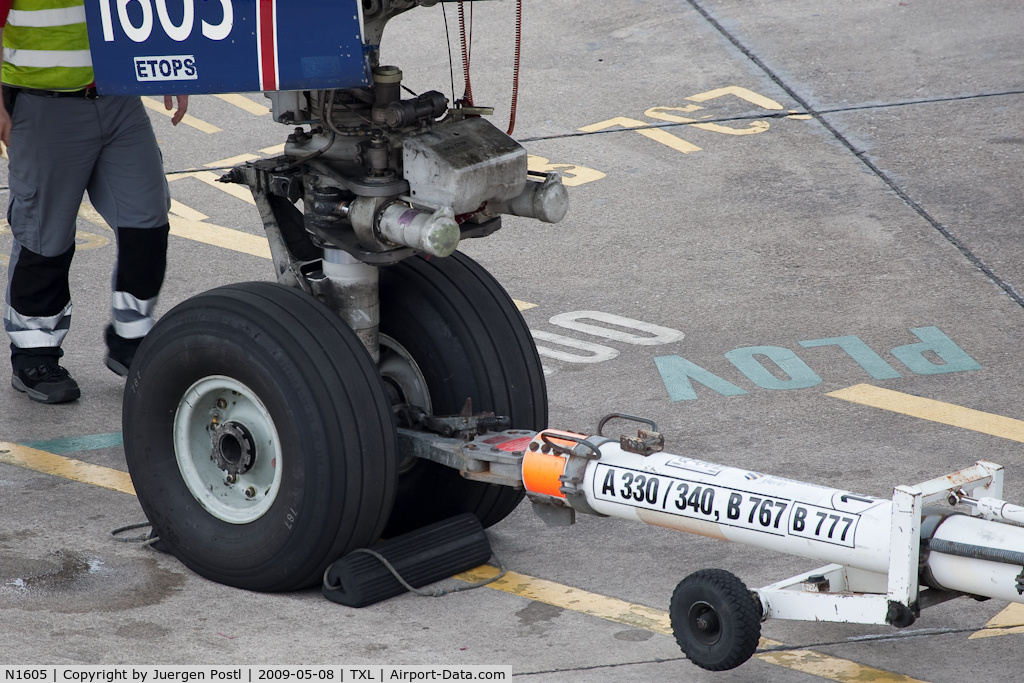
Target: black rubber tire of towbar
{"x":716,"y":619}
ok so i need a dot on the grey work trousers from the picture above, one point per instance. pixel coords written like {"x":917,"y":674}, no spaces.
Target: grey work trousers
{"x":61,"y":148}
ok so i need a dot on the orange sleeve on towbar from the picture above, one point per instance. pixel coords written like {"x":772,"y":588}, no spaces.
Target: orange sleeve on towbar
{"x":542,"y":470}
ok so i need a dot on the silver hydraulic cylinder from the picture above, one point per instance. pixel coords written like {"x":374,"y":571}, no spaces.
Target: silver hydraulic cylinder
{"x":350,"y":288}
{"x":547,"y":201}
{"x":434,"y":232}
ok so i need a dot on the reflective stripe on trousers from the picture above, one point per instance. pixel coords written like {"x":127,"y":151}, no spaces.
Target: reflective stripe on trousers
{"x":27,"y":331}
{"x":133,"y":317}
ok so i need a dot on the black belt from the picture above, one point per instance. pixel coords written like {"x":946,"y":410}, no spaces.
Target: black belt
{"x":85,"y":93}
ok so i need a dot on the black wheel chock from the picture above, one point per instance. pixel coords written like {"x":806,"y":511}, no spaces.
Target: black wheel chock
{"x":420,"y":557}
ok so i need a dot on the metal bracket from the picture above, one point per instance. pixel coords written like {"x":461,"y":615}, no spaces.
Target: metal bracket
{"x":495,"y":458}
{"x":578,"y":457}
{"x":904,"y":555}
{"x":464,"y":426}
{"x":835,"y":593}
{"x":552,"y":511}
{"x":646,"y":442}
{"x":287,"y":267}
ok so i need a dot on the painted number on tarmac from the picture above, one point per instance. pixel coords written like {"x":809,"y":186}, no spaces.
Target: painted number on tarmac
{"x":672,"y":115}
{"x":723,"y":505}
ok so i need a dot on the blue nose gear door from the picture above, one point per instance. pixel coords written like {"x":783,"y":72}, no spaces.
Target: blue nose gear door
{"x":164,"y":47}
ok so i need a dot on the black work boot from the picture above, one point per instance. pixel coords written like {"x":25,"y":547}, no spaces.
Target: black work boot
{"x":46,"y":383}
{"x":120,"y":351}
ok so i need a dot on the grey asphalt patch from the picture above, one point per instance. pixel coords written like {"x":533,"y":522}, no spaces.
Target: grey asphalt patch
{"x":962,"y":170}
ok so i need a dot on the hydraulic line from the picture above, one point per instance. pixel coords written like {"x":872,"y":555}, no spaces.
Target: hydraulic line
{"x":466,"y":43}
{"x":515,"y":68}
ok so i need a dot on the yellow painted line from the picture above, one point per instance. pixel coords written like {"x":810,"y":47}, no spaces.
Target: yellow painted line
{"x":212,"y":179}
{"x":657,"y":621}
{"x":186,"y":212}
{"x":188,"y":120}
{"x":219,"y":236}
{"x":832,"y":668}
{"x":666,"y":138}
{"x":753,"y":128}
{"x":68,"y":468}
{"x":1011,"y":619}
{"x":1007,"y":622}
{"x":612,"y":609}
{"x":572,"y":175}
{"x":935,"y":411}
{"x":90,"y":214}
{"x":273,"y":151}
{"x":623,"y":121}
{"x":243,"y":102}
{"x":523,"y":305}
{"x":585,"y":602}
{"x":188,"y":223}
{"x":742,"y":93}
{"x":232,"y":161}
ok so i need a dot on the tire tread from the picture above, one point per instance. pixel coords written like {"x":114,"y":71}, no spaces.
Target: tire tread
{"x":739,"y":611}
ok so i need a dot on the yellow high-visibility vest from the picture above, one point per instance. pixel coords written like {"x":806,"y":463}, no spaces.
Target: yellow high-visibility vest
{"x":46,"y":45}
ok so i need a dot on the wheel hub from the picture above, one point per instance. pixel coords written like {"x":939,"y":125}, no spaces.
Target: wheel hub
{"x":228,"y":449}
{"x":705,"y":624}
{"x":233,"y":448}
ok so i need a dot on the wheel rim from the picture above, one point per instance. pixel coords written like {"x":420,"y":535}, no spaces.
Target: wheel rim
{"x":704,"y":623}
{"x":228,"y":450}
{"x":403,"y":383}
{"x":403,"y":378}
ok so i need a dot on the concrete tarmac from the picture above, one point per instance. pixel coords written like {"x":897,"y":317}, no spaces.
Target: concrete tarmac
{"x":774,"y":180}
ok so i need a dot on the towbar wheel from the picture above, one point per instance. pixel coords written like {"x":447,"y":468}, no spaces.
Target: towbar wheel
{"x":716,"y":619}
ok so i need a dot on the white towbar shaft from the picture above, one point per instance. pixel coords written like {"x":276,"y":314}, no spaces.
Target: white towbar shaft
{"x":887,"y":558}
{"x":731,"y":504}
{"x":726,"y":503}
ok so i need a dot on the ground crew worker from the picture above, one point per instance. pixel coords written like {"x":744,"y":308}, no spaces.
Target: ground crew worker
{"x":64,"y":140}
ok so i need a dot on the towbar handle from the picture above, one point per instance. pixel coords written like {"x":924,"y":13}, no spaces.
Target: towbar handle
{"x":562,"y":450}
{"x":622,"y":416}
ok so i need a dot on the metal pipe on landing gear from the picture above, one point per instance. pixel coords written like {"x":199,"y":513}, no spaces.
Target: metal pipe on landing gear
{"x":352,"y":292}
{"x":547,"y":201}
{"x":436,"y":233}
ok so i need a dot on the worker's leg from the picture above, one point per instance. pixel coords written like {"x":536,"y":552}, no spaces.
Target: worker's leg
{"x":54,"y":143}
{"x":130,"y":191}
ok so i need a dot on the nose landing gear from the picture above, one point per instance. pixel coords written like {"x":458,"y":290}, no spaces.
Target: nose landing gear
{"x":260,"y":435}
